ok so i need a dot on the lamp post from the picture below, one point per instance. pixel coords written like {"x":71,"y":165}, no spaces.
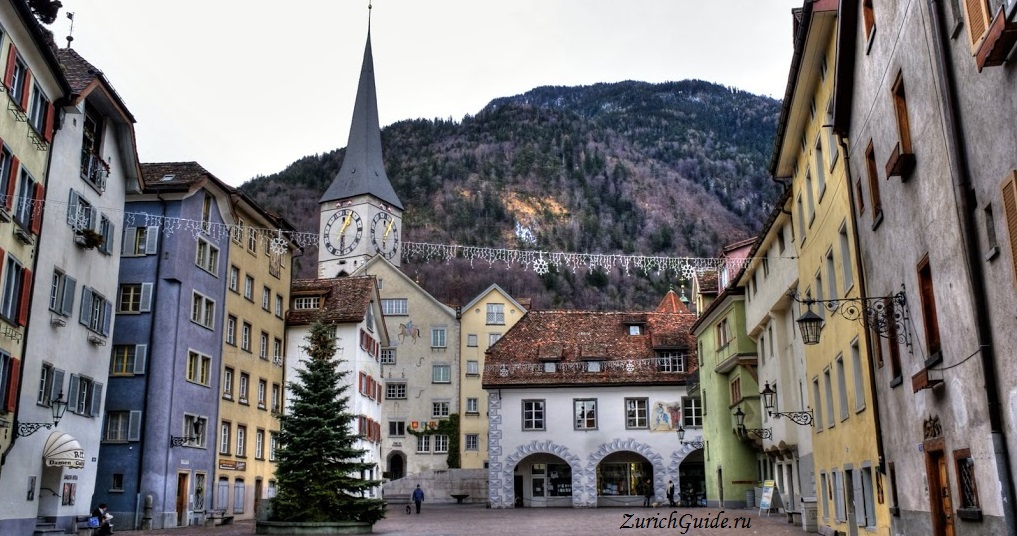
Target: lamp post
{"x":57,"y":408}
{"x":887,"y":316}
{"x":177,"y":441}
{"x":769,"y":396}
{"x":761,"y":433}
{"x":695,"y":443}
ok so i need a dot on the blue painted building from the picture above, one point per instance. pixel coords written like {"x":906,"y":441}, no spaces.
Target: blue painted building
{"x":167,"y":349}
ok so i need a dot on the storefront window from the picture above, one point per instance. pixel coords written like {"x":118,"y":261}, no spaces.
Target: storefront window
{"x":622,"y":478}
{"x":559,"y":476}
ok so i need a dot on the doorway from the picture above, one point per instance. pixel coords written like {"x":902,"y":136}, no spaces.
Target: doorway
{"x":849,"y":501}
{"x":182,"y":490}
{"x":939,"y":494}
{"x":396,"y":465}
{"x":257,"y":495}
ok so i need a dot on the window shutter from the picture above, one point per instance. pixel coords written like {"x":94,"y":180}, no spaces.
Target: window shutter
{"x":47,"y":131}
{"x":130,"y":235}
{"x":140,"y":358}
{"x":72,"y":394}
{"x":1010,"y":209}
{"x":57,"y":390}
{"x":12,"y":181}
{"x":134,"y":426}
{"x":858,"y":499}
{"x":72,"y":209}
{"x":978,"y":20}
{"x":12,"y":53}
{"x":68,"y":305}
{"x":26,"y":90}
{"x":96,"y":400}
{"x":146,"y":297}
{"x":12,"y":385}
{"x":152,"y":240}
{"x":107,"y":317}
{"x":26,"y":295}
{"x":85,"y":315}
{"x":37,"y":208}
{"x":107,"y":238}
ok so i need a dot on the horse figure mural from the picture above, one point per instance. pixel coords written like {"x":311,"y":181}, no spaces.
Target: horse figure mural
{"x":408,"y":330}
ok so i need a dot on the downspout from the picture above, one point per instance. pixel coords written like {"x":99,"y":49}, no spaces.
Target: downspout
{"x":964,"y":192}
{"x":138,"y":519}
{"x":860,"y":270}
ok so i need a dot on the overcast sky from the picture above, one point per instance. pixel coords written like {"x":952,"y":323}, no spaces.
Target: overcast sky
{"x":246,"y":87}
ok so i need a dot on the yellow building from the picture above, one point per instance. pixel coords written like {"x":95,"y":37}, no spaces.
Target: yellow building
{"x":257,"y":294}
{"x":483,"y":321}
{"x":846,"y":443}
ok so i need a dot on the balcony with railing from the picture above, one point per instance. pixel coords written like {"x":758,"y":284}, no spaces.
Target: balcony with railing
{"x":94,"y":170}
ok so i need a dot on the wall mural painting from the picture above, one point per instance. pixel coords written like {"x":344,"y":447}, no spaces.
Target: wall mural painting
{"x":665,"y":416}
{"x":408,"y":330}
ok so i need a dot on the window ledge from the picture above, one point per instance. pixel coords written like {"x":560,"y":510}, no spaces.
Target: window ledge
{"x":900,"y":164}
{"x":999,"y":41}
{"x":991,"y":254}
{"x":877,"y":218}
{"x":897,"y":381}
{"x":970,"y":514}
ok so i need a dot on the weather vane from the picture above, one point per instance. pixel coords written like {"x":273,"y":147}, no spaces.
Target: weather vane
{"x":70,"y":32}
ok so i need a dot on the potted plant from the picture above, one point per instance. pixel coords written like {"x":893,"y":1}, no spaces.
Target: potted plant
{"x":88,"y":238}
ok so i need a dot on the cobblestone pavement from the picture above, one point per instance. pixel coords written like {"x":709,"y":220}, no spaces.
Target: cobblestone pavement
{"x":476,"y":520}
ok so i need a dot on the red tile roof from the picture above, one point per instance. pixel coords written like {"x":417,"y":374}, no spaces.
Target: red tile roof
{"x":574,"y":337}
{"x":343,"y":299}
{"x":77,"y":70}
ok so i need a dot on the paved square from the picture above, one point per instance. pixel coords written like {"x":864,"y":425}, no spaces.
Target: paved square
{"x":476,"y":520}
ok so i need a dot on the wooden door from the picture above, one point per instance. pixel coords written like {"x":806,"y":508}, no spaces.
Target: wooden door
{"x":182,"y":490}
{"x":939,"y":495}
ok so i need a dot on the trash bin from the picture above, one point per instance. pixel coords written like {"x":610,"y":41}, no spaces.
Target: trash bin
{"x":810,"y":515}
{"x":750,"y":499}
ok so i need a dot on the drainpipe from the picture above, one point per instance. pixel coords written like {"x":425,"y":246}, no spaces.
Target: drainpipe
{"x":860,"y":270}
{"x":138,"y":516}
{"x":964,"y":193}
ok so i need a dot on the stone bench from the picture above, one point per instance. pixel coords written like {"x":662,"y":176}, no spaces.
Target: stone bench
{"x":224,"y":518}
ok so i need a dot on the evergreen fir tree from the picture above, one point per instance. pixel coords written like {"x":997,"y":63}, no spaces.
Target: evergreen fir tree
{"x":318,"y":468}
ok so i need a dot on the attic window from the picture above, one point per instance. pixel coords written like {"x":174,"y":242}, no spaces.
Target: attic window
{"x":593,"y":366}
{"x":635,"y":329}
{"x":307,"y":302}
{"x":550,"y":366}
{"x":168,"y":177}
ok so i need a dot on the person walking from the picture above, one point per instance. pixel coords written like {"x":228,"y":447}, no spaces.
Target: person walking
{"x":670,"y":493}
{"x":418,"y":497}
{"x":647,"y":491}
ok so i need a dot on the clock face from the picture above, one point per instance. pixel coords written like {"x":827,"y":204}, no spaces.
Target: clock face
{"x":385,"y":234}
{"x":343,"y":232}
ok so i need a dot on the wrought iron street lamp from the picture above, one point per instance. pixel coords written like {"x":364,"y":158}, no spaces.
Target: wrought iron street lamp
{"x":886,"y":316}
{"x":769,"y":396}
{"x":761,"y":433}
{"x":177,"y":441}
{"x":695,"y":443}
{"x":57,"y":407}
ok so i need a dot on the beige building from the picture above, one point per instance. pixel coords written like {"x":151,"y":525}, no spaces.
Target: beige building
{"x":257,"y":296}
{"x":482,"y":322}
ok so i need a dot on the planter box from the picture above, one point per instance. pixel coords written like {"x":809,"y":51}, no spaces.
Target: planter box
{"x":294,"y":528}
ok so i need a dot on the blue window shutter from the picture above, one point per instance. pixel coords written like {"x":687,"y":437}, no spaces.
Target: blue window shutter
{"x":134,"y":426}
{"x":72,"y":209}
{"x":84,"y":315}
{"x":152,"y":240}
{"x":68,"y":304}
{"x":107,"y":317}
{"x":57,"y":390}
{"x":146,"y":297}
{"x":72,"y":394}
{"x":130,"y":235}
{"x":96,"y":399}
{"x":140,"y":358}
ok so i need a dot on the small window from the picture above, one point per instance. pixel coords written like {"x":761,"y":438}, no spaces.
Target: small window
{"x":550,"y":366}
{"x":249,"y":287}
{"x":472,"y":442}
{"x":872,"y":173}
{"x":307,"y":302}
{"x":395,"y":391}
{"x":441,"y":443}
{"x":533,"y":415}
{"x":198,"y":368}
{"x":635,"y":329}
{"x":692,"y":412}
{"x":496,"y":314}
{"x":670,"y":361}
{"x":593,"y":366}
{"x":472,"y":368}
{"x":388,"y":356}
{"x":637,"y":413}
{"x":471,"y":340}
{"x":438,"y":338}
{"x":234,"y":282}
{"x":397,"y":428}
{"x":472,"y":405}
{"x":202,"y":310}
{"x":585,"y":413}
{"x":207,"y":257}
{"x":441,"y":373}
{"x":440,"y":409}
{"x":394,"y":307}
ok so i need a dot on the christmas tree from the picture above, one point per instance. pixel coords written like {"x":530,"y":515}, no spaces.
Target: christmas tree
{"x":319,"y":472}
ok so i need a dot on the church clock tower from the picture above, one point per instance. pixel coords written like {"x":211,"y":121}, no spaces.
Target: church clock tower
{"x":361,"y":215}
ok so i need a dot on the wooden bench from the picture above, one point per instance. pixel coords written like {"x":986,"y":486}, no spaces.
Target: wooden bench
{"x":398,"y":498}
{"x":81,"y":525}
{"x":224,"y":518}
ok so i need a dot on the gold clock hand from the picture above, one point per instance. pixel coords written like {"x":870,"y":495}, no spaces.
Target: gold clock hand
{"x":346,"y":223}
{"x":388,"y":229}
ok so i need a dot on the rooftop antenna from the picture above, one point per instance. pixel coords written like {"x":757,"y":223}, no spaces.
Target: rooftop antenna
{"x":70,"y":32}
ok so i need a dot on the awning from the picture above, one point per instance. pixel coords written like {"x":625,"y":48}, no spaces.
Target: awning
{"x":62,"y":450}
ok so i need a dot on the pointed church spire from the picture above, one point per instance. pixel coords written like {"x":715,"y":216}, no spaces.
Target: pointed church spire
{"x":363,"y":169}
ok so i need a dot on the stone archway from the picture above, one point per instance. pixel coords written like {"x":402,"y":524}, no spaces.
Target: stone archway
{"x":588,"y":494}
{"x":502,"y":482}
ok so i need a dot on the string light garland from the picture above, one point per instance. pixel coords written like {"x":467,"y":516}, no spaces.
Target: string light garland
{"x":278,"y":242}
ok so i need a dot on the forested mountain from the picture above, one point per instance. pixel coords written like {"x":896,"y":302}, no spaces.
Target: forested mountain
{"x":671,"y":169}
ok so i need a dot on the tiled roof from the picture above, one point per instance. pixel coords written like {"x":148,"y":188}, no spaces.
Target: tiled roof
{"x":671,"y":304}
{"x":77,"y":70}
{"x":708,"y":282}
{"x":173,"y":175}
{"x":572,"y":337}
{"x":343,"y":299}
